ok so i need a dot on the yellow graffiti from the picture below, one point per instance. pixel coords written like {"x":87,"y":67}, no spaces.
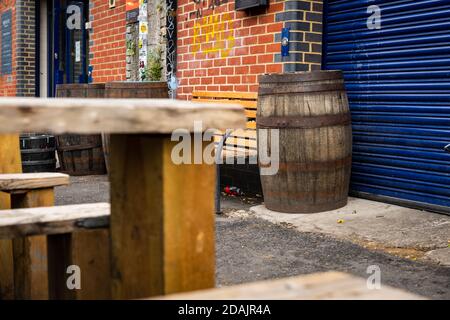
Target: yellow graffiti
{"x":214,"y":33}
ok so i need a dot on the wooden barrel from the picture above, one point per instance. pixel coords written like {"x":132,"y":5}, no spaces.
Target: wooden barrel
{"x":80,"y":90}
{"x":38,"y":153}
{"x":139,"y":90}
{"x":311,"y":112}
{"x":132,"y":90}
{"x":81,"y":154}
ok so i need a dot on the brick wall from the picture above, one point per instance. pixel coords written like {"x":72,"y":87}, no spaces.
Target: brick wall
{"x":8,"y":82}
{"x":107,"y":41}
{"x":222,"y":49}
{"x":25,"y":48}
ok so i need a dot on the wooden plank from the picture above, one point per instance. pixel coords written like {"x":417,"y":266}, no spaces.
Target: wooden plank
{"x":319,"y":286}
{"x":88,"y":250}
{"x":248,"y":104}
{"x":86,"y":116}
{"x":242,"y":143}
{"x":162,"y":219}
{"x":30,"y":253}
{"x":250,"y":114}
{"x":27,"y":181}
{"x":240,"y":133}
{"x":10,"y":162}
{"x":251,"y":125}
{"x":226,"y":94}
{"x":53,"y":220}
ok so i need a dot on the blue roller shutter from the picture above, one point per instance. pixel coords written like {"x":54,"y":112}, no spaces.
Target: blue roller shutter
{"x":398,"y":83}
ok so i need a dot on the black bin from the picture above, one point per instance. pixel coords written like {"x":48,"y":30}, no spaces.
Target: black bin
{"x":38,"y":152}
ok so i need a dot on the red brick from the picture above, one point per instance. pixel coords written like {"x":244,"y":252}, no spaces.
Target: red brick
{"x":274,"y":68}
{"x":257,"y":49}
{"x":247,"y":79}
{"x":265,"y":58}
{"x":275,"y":27}
{"x":249,"y":60}
{"x":234,"y":61}
{"x":233,"y":79}
{"x":273,"y":48}
{"x":266,"y":38}
{"x":241,"y":88}
{"x":220,"y":80}
{"x":257,"y":30}
{"x":241,"y":70}
{"x":253,"y":21}
{"x":258,"y":68}
{"x":266,"y":19}
{"x":226,"y":70}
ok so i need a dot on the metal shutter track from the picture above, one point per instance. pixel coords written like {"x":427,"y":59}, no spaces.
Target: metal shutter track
{"x":398,"y":82}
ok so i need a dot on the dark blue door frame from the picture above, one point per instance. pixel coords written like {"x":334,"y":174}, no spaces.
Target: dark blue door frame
{"x":60,"y":63}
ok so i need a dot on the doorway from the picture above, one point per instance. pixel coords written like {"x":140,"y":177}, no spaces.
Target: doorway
{"x":66,"y":45}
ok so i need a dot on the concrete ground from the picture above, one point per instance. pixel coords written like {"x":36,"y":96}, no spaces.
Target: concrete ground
{"x":410,"y":233}
{"x":255,"y":244}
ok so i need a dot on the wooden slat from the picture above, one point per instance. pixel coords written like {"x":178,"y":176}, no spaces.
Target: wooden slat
{"x":242,"y":143}
{"x":89,"y":250}
{"x":225,"y":94}
{"x":10,"y":162}
{"x":162,"y":219}
{"x":251,"y":125}
{"x":248,"y":104}
{"x":53,"y":220}
{"x":319,"y":286}
{"x":30,"y":253}
{"x":86,"y":116}
{"x":250,"y":114}
{"x":28,"y":181}
{"x":240,"y":133}
{"x":238,"y":152}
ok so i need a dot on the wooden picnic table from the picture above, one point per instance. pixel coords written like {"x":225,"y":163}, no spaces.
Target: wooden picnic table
{"x":162,"y":214}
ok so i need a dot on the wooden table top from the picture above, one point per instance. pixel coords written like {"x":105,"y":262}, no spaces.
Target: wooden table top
{"x":87,"y":116}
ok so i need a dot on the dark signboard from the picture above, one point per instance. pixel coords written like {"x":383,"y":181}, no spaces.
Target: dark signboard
{"x":6,"y":40}
{"x":248,"y":4}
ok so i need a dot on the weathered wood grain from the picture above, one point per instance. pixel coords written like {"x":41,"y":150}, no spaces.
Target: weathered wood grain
{"x":28,"y":181}
{"x":89,"y":250}
{"x":53,"y":220}
{"x":10,"y":162}
{"x":85,"y":116}
{"x":318,"y":286}
{"x":312,"y":118}
{"x":162,"y":219}
{"x":225,"y":95}
{"x":30,"y":253}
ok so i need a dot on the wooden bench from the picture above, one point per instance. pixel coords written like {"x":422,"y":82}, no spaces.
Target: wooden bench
{"x":318,"y":286}
{"x":73,"y":239}
{"x":242,"y":142}
{"x":161,"y":227}
{"x":27,"y":258}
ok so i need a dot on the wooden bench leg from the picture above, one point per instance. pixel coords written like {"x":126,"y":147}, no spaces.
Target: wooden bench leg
{"x":10,"y":162}
{"x":88,"y":250}
{"x":30,"y":253}
{"x":162,"y":219}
